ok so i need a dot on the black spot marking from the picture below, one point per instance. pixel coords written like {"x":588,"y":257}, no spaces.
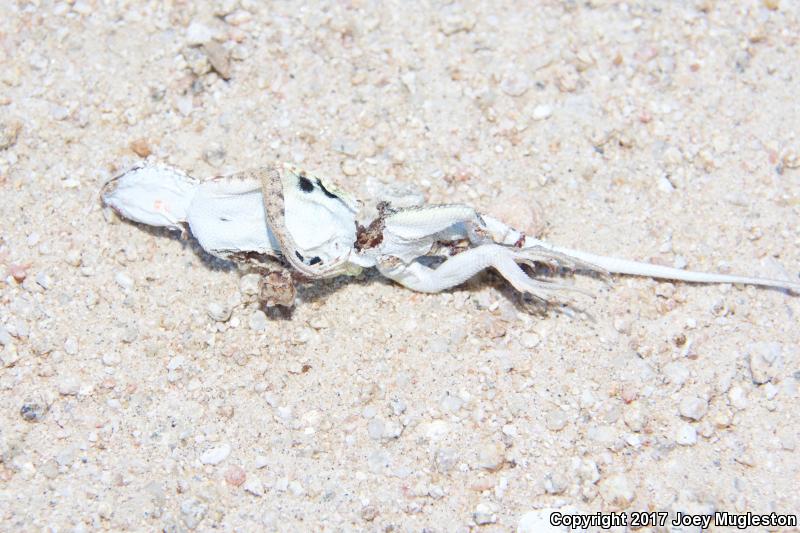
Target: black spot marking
{"x":300,"y":257}
{"x":328,"y":193}
{"x":305,"y":184}
{"x":224,"y":219}
{"x":314,"y":260}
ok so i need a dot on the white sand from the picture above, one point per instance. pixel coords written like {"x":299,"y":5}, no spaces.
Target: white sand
{"x":665,"y":131}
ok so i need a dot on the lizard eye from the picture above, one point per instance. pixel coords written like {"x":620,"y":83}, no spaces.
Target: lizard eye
{"x":305,"y":184}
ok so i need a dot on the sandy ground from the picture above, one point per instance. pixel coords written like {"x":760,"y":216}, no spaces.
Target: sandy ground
{"x":657,"y":130}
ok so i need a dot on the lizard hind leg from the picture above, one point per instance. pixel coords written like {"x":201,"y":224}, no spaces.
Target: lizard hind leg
{"x":459,"y":268}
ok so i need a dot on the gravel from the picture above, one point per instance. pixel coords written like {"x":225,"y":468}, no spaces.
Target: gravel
{"x":518,"y":110}
{"x":693,"y":407}
{"x":215,"y":455}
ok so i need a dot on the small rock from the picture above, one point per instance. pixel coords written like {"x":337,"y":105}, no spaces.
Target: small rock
{"x":786,"y":436}
{"x":454,"y":19}
{"x":541,"y":112}
{"x":32,"y":412}
{"x":69,"y":386}
{"x":765,"y":361}
{"x":249,"y":284}
{"x":375,"y":428}
{"x":538,"y":522}
{"x":198,"y":33}
{"x":345,"y":146}
{"x":44,"y":280}
{"x":444,"y":460}
{"x":484,"y":514}
{"x":71,"y":346}
{"x":686,"y":435}
{"x":18,"y":272}
{"x":349,"y":167}
{"x":258,"y":320}
{"x":296,"y":488}
{"x":9,"y":131}
{"x":193,"y":512}
{"x":676,"y":373}
{"x":491,"y":456}
{"x":617,"y":491}
{"x":635,"y":417}
{"x":216,"y":455}
{"x":369,"y":513}
{"x":219,"y":313}
{"x":5,"y":336}
{"x":214,"y":155}
{"x":693,"y":407}
{"x":218,"y":58}
{"x":738,"y":397}
{"x":254,"y":486}
{"x":49,"y":469}
{"x":124,"y":280}
{"x":235,"y":476}
{"x":556,"y":419}
{"x":555,"y":483}
{"x":141,"y":148}
{"x":515,"y":83}
{"x":111,"y":359}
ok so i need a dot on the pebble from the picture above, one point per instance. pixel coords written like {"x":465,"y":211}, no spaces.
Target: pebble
{"x":111,"y":359}
{"x":375,"y":428}
{"x":69,"y":386}
{"x":198,"y":33}
{"x":556,"y":419}
{"x":9,"y":356}
{"x":617,"y":490}
{"x":124,"y":280}
{"x":216,"y":455}
{"x":248,"y":284}
{"x":538,"y":522}
{"x":686,"y":435}
{"x":32,"y":412}
{"x":71,"y":346}
{"x":258,"y":320}
{"x":141,"y":148}
{"x":219,"y":313}
{"x":254,"y":486}
{"x":349,"y":167}
{"x":455,"y":19}
{"x":444,"y":460}
{"x":296,"y":488}
{"x":541,"y":112}
{"x":485,"y":513}
{"x":5,"y":337}
{"x":18,"y":272}
{"x":765,"y":360}
{"x":49,"y":469}
{"x":261,"y":461}
{"x":193,"y":512}
{"x":676,"y":373}
{"x":738,"y":397}
{"x":491,"y":456}
{"x":214,"y":155}
{"x":44,"y":280}
{"x":235,"y":476}
{"x":220,"y":62}
{"x":635,"y":417}
{"x":693,"y":407}
{"x":239,"y":17}
{"x":9,"y":131}
{"x":515,"y":83}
